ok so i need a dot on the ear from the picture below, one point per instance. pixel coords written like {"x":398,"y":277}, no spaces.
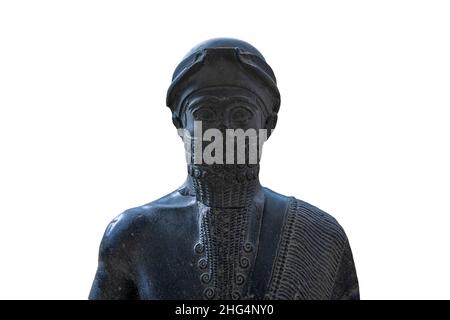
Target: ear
{"x":271,"y":122}
{"x":176,"y":121}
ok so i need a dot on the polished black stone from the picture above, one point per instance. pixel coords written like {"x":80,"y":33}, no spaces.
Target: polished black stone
{"x":221,"y":235}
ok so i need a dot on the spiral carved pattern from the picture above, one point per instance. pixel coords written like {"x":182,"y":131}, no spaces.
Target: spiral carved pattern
{"x":227,"y":253}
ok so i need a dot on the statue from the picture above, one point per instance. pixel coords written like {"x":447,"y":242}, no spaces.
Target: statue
{"x":221,"y":235}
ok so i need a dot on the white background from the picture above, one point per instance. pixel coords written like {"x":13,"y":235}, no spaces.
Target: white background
{"x":363,"y":128}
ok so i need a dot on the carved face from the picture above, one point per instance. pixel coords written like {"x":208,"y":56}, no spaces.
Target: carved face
{"x":227,"y":125}
{"x":224,"y":164}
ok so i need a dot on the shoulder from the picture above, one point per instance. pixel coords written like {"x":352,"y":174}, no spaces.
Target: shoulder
{"x":317,"y":222}
{"x":307,"y":220}
{"x":128,"y":228}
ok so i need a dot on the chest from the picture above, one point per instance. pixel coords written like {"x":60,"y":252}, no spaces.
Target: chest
{"x":227,"y":261}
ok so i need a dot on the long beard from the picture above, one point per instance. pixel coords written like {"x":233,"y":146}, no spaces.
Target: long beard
{"x":228,"y":228}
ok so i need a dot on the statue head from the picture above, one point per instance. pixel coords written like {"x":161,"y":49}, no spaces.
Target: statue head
{"x":220,"y":64}
{"x":224,"y":101}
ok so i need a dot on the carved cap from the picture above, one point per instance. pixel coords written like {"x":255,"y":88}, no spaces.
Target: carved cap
{"x":224,"y":62}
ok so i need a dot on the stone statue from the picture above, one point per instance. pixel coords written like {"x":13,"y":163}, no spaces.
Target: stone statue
{"x":221,"y":235}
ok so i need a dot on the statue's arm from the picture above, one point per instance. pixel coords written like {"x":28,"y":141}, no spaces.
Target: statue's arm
{"x":113,"y":280}
{"x":346,"y":282}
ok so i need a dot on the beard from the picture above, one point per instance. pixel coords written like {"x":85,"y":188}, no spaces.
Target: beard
{"x":226,"y":185}
{"x":228,"y":229}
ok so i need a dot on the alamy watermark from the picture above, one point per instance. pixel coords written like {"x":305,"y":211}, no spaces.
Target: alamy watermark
{"x":241,"y":147}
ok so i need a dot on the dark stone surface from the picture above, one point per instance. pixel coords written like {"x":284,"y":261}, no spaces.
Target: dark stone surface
{"x":222,"y":235}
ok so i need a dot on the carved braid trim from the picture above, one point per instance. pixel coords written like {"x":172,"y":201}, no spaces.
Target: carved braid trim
{"x":309,"y":253}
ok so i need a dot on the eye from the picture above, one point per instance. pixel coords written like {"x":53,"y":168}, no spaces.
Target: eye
{"x":240,"y":114}
{"x":205,"y":114}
